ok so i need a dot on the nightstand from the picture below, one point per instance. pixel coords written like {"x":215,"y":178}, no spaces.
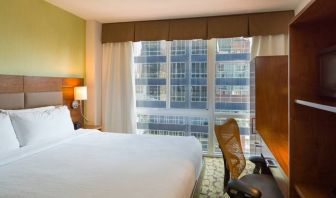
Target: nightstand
{"x":89,"y":126}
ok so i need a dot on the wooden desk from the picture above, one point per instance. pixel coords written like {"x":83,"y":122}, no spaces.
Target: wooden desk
{"x":271,"y":112}
{"x":280,"y":175}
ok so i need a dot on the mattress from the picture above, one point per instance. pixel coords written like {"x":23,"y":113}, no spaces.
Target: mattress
{"x":96,"y":164}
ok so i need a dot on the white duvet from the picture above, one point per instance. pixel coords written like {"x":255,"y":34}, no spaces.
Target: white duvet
{"x":95,"y":164}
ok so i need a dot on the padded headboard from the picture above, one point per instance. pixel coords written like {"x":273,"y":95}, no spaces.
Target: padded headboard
{"x":20,"y":92}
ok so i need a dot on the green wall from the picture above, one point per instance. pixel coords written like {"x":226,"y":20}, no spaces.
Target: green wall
{"x":39,"y":39}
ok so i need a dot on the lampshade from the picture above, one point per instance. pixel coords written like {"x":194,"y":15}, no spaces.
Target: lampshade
{"x":81,"y":93}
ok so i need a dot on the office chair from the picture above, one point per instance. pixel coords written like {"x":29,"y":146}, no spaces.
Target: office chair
{"x":259,"y":184}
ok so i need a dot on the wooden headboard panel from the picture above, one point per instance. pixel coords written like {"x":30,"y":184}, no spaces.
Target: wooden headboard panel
{"x":17,"y":92}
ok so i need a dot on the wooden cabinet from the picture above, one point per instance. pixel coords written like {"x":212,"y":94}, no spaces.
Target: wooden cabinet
{"x":312,"y":131}
{"x":295,"y":122}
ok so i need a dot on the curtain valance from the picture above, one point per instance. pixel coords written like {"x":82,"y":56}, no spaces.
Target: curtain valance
{"x":255,"y":24}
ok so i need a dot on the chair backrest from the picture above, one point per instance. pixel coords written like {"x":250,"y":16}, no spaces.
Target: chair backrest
{"x":228,"y":137}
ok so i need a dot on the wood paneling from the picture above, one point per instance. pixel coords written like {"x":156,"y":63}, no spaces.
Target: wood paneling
{"x":312,"y":131}
{"x":315,"y":12}
{"x":42,"y":84}
{"x":11,"y":84}
{"x":68,"y":85}
{"x":271,"y":84}
{"x":271,"y":101}
{"x":25,"y":84}
{"x":307,"y":191}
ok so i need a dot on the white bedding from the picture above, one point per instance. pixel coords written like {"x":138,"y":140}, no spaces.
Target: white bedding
{"x":95,"y":164}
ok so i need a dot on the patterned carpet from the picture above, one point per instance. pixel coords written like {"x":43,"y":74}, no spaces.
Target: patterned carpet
{"x":212,"y":184}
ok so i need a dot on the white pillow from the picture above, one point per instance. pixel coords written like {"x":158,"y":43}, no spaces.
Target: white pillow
{"x":29,"y":110}
{"x":8,"y":140}
{"x":40,"y":126}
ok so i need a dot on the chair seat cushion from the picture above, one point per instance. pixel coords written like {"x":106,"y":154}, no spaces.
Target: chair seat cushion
{"x":265,"y":183}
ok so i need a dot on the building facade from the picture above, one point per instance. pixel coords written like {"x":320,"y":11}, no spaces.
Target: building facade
{"x":178,"y":94}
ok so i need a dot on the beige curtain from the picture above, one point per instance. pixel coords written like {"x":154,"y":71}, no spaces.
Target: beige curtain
{"x":270,"y":45}
{"x":93,"y":72}
{"x":118,"y":88}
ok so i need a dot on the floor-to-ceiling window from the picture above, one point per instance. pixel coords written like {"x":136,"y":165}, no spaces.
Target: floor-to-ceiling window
{"x":185,"y":87}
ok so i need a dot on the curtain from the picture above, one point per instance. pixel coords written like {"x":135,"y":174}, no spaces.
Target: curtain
{"x":118,"y":88}
{"x":270,"y":45}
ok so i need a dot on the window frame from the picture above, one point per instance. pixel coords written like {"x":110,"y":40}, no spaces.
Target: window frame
{"x":210,"y":114}
{"x":174,"y":73}
{"x":173,"y":93}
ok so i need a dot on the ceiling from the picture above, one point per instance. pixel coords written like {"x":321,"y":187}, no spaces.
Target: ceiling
{"x":108,"y":11}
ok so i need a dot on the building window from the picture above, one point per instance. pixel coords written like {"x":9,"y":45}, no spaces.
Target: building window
{"x":152,"y":48}
{"x":165,"y":132}
{"x":199,"y":70}
{"x":232,"y":94}
{"x":232,"y":70}
{"x":199,"y":121}
{"x":150,"y":93}
{"x":233,"y":46}
{"x":177,"y":93}
{"x":199,"y":93}
{"x":199,"y":47}
{"x":172,"y":87}
{"x":178,"y":48}
{"x":152,"y":70}
{"x":178,"y":70}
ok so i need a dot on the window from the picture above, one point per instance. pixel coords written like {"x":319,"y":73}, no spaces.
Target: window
{"x":199,"y":47}
{"x":232,"y":94}
{"x":199,"y":93}
{"x":165,"y":132}
{"x":199,"y":70}
{"x":150,"y":93}
{"x":153,"y":70}
{"x":178,"y":70}
{"x":198,"y":121}
{"x":182,"y":91}
{"x":226,"y":69}
{"x":177,"y":93}
{"x":232,"y":86}
{"x":179,"y":48}
{"x":152,"y":48}
{"x":233,"y":46}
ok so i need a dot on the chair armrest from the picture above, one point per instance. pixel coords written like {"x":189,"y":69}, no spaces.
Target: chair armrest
{"x":237,"y":188}
{"x":260,"y":165}
{"x":257,"y":159}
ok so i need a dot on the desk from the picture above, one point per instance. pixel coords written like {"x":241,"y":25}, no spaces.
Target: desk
{"x":259,"y":147}
{"x":279,"y":174}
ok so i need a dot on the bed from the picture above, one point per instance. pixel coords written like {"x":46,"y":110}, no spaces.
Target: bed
{"x":97,"y":164}
{"x":90,"y":163}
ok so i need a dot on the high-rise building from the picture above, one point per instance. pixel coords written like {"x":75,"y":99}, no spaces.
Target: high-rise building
{"x":177,"y":94}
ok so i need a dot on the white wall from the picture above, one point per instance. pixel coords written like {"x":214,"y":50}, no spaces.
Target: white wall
{"x":93,"y":71}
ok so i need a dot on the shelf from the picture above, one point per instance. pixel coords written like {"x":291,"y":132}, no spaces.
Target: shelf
{"x":316,"y":105}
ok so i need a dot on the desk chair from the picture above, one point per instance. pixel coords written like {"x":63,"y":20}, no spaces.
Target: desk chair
{"x":259,"y":184}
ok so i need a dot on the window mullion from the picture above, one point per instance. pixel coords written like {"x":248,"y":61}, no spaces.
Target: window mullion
{"x":211,"y":93}
{"x":168,"y":84}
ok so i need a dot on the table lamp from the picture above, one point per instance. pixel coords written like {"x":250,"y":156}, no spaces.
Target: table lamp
{"x":80,"y":95}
